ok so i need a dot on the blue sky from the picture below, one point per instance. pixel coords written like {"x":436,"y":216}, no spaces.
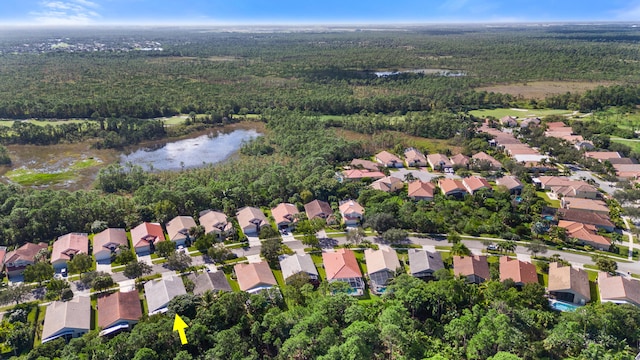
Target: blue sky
{"x":213,"y":12}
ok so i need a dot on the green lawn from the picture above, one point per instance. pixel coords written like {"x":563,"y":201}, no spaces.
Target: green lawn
{"x":633,"y":144}
{"x":499,"y":113}
{"x":9,"y":123}
{"x":27,"y":177}
{"x":552,"y":203}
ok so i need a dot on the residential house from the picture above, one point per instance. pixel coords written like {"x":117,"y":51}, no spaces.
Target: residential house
{"x":474,"y":184}
{"x":145,"y":236}
{"x":584,"y":191}
{"x":388,"y":184}
{"x":254,"y":277}
{"x":389,"y":160}
{"x":460,"y":160}
{"x":569,"y":284}
{"x":529,"y":122}
{"x":251,"y":220}
{"x":414,"y":158}
{"x":509,"y":121}
{"x":512,"y":183}
{"x":216,"y":223}
{"x":586,"y":234}
{"x":285,"y":215}
{"x":382,"y":266}
{"x":351,"y":212}
{"x":178,"y":229}
{"x":364,"y":164}
{"x":419,"y":190}
{"x":439,"y":162}
{"x":160,"y":291}
{"x":211,"y":281}
{"x":423,"y":264}
{"x":618,"y":289}
{"x":451,"y":187}
{"x":483,"y":160}
{"x":3,"y":254}
{"x":597,"y":206}
{"x":67,"y":319}
{"x":587,"y":217}
{"x":521,"y":272}
{"x":357,"y":174}
{"x":318,"y":209}
{"x":296,"y":263}
{"x":108,"y":242}
{"x":17,"y":260}
{"x":342,"y":265}
{"x":475,"y":268}
{"x":603,"y":156}
{"x":66,"y":247}
{"x":584,"y":145}
{"x":627,"y":171}
{"x":118,"y":311}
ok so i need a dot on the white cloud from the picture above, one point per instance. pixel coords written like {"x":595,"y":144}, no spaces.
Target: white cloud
{"x":66,"y":12}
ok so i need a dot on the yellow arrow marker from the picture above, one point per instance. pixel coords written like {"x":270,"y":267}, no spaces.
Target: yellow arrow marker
{"x":179,"y":325}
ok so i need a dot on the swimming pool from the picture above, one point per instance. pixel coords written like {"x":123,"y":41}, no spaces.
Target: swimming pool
{"x":562,"y":306}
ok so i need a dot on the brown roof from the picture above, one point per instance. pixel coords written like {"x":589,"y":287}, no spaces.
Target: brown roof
{"x":482,"y":156}
{"x":471,"y":265}
{"x":618,"y":288}
{"x":386,"y":157}
{"x":556,"y":124}
{"x":584,"y":232}
{"x":365,"y":164}
{"x":551,"y":181}
{"x":284,"y":213}
{"x":602,"y":155}
{"x":214,"y":221}
{"x":585,"y":216}
{"x":341,"y":264}
{"x":510,"y":182}
{"x":585,"y":204}
{"x":179,"y":227}
{"x":413,"y":155}
{"x":566,"y":278}
{"x":420,"y":189}
{"x":387,"y":184}
{"x":520,"y":272}
{"x":117,"y":307}
{"x":475,"y":183}
{"x":350,"y":207}
{"x":147,"y":232}
{"x":356,"y":174}
{"x":111,"y":237}
{"x":460,"y":159}
{"x":450,"y":185}
{"x":317,"y":208}
{"x":437,"y":159}
{"x":26,"y":252}
{"x":253,"y":275}
{"x":68,"y":245}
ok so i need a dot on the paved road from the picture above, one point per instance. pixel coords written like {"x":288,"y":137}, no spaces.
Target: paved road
{"x":587,"y":175}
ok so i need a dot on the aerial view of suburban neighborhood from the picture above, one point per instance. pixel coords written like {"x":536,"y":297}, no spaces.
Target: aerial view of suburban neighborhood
{"x":405,"y":191}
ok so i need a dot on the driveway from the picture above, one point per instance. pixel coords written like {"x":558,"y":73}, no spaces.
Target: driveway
{"x":422,"y":175}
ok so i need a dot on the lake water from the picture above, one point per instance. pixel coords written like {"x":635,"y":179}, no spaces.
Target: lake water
{"x":439,"y":72}
{"x":189,"y":153}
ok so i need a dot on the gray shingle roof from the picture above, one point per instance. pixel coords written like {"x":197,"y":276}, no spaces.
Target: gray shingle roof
{"x":160,"y":292}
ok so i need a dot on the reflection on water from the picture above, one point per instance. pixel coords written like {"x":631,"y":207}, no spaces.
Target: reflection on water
{"x":189,"y":153}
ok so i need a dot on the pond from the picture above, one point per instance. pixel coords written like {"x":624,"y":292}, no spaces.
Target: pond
{"x":190,"y":153}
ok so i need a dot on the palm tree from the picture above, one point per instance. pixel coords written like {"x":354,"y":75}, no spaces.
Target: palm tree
{"x":460,"y":249}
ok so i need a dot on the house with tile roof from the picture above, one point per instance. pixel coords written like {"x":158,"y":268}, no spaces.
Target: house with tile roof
{"x":159,"y":292}
{"x":254,"y":277}
{"x":216,"y":223}
{"x":364,"y":164}
{"x":211,"y":281}
{"x":251,"y":220}
{"x":603,"y":156}
{"x":460,"y":161}
{"x":473,"y":184}
{"x":512,"y":183}
{"x":521,"y":272}
{"x":351,"y":212}
{"x":318,"y":209}
{"x":342,"y":265}
{"x":586,"y":234}
{"x":482,"y":159}
{"x":145,"y":236}
{"x":587,"y":217}
{"x":357,"y":174}
{"x":17,"y":260}
{"x":178,"y":229}
{"x":414,"y":158}
{"x":285,"y":215}
{"x":509,"y":121}
{"x":451,"y":187}
{"x":382,"y":266}
{"x":569,"y":284}
{"x":475,"y":268}
{"x":618,"y":289}
{"x":439,"y":162}
{"x":423,"y":264}
{"x":585,"y":191}
{"x":118,"y":311}
{"x":67,"y":319}
{"x":420,"y":190}
{"x":298,"y":263}
{"x":389,"y":160}
{"x":66,"y":247}
{"x":109,"y":242}
{"x":597,"y":206}
{"x":388,"y":184}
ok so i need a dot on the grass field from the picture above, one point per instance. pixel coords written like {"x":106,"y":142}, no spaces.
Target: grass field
{"x":520,"y":113}
{"x":29,"y":177}
{"x":5,"y":122}
{"x":542,"y":89}
{"x":632,"y":143}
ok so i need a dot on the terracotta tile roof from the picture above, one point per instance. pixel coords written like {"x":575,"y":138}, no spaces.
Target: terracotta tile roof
{"x":419,"y":189}
{"x":520,"y":272}
{"x":482,"y":156}
{"x":383,"y":259}
{"x":254,"y":275}
{"x":585,"y":204}
{"x":117,"y":307}
{"x":585,"y":216}
{"x":178,"y":227}
{"x":475,"y":183}
{"x":449,"y":186}
{"x":350,"y":207}
{"x":386,"y":157}
{"x":26,"y":252}
{"x":145,"y":233}
{"x":357,"y":174}
{"x":341,"y":264}
{"x":365,"y":164}
{"x":602,"y":155}
{"x":437,"y":160}
{"x":318,"y":208}
{"x":63,"y":315}
{"x":414,"y":156}
{"x":618,"y":289}
{"x":284,"y":213}
{"x":584,"y":232}
{"x":566,"y":278}
{"x":471,"y":265}
{"x":551,"y":181}
{"x":214,"y":281}
{"x":510,"y":182}
{"x":68,"y":245}
{"x":214,"y":222}
{"x":387,"y":184}
{"x":509,"y":120}
{"x":556,"y":125}
{"x":460,"y":159}
{"x":111,"y":237}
